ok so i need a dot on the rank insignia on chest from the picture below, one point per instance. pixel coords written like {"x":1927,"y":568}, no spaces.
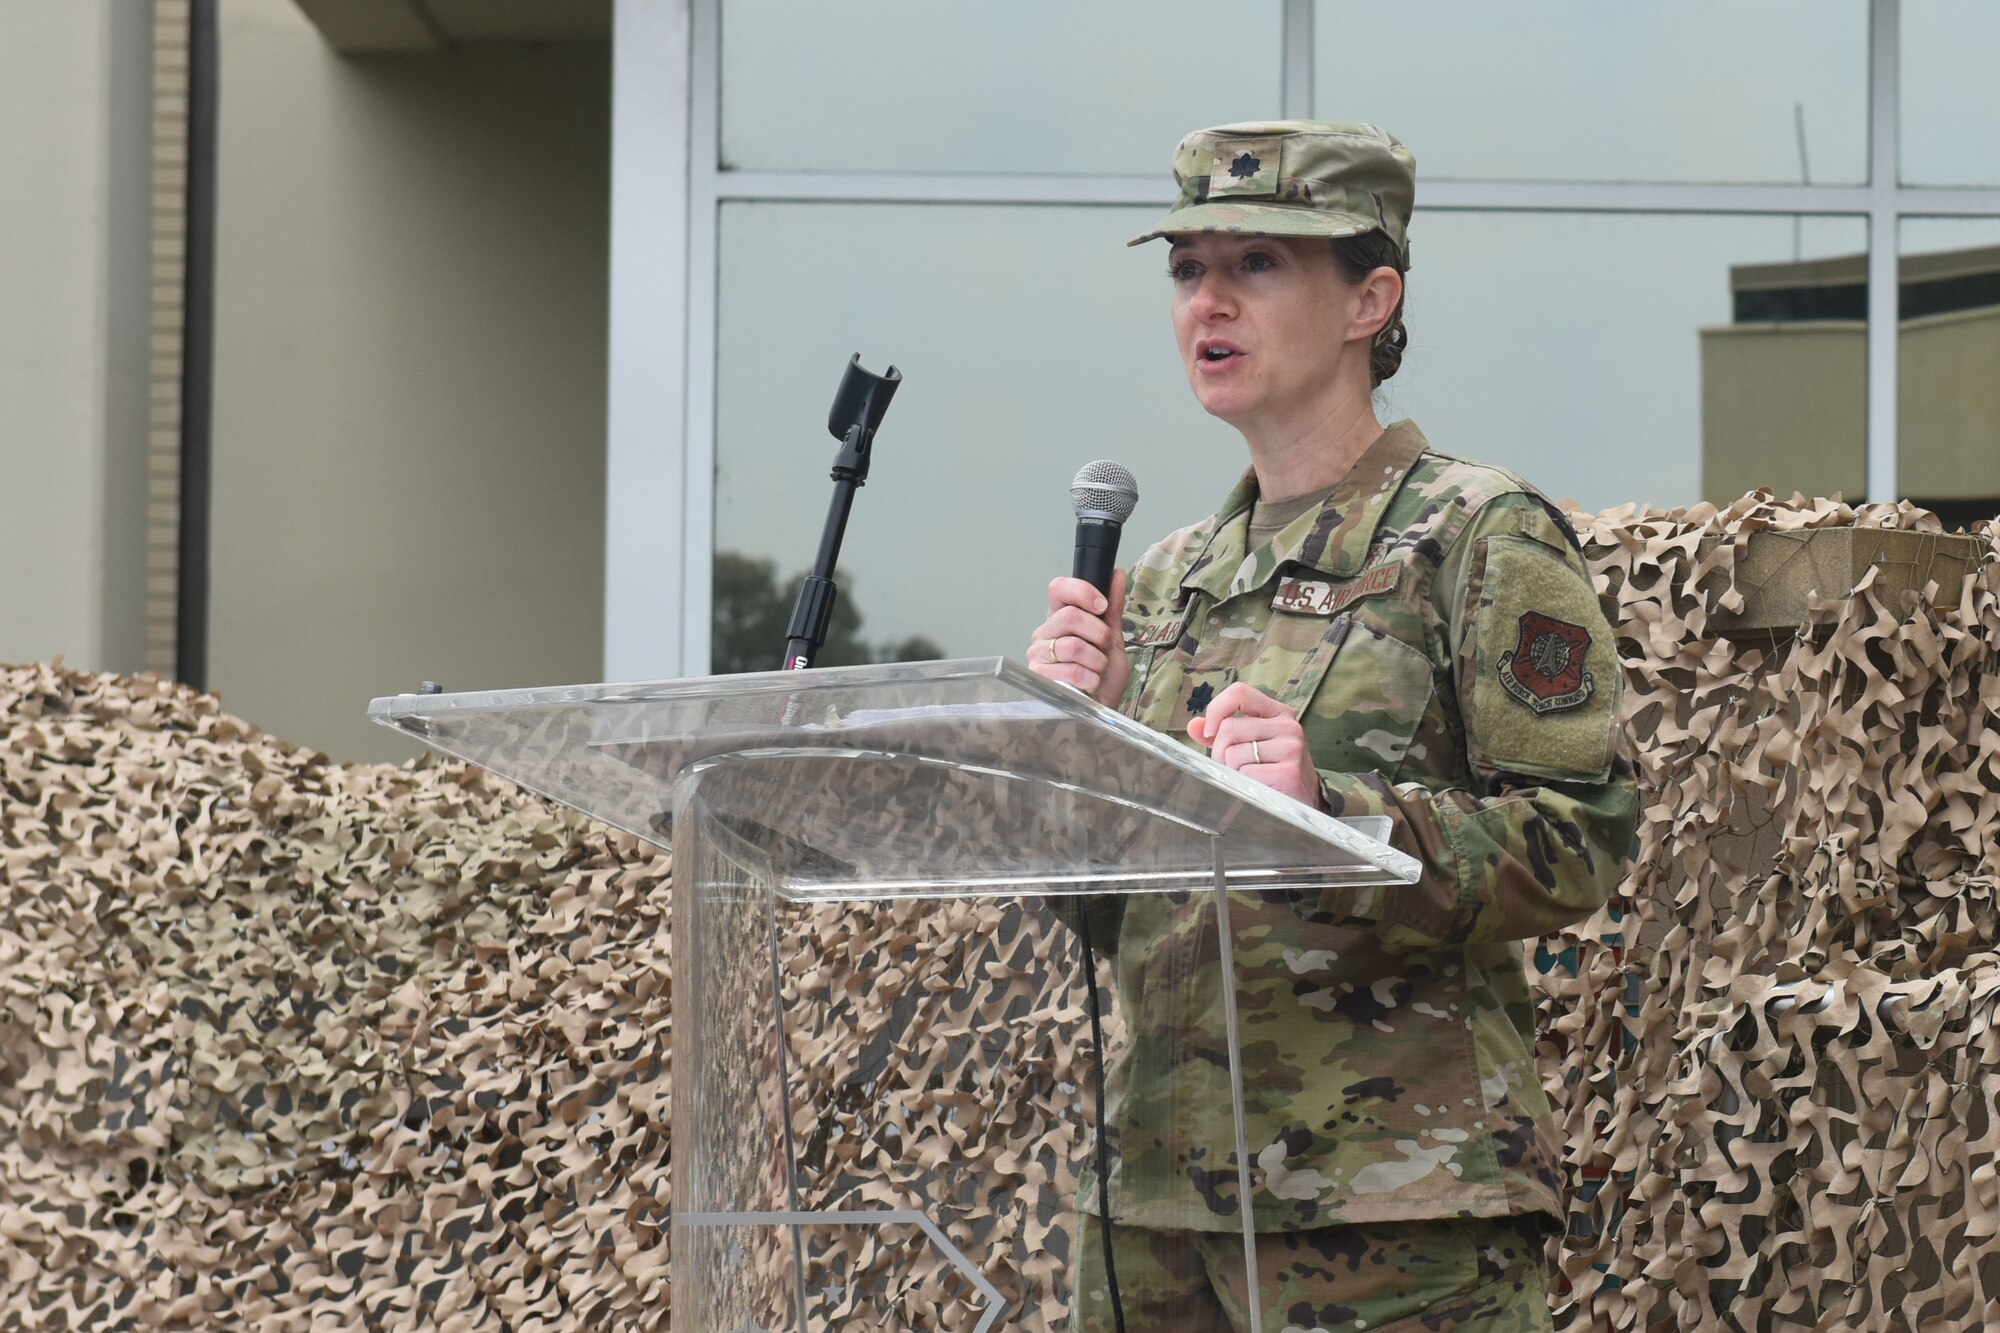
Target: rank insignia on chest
{"x":1199,"y":698}
{"x":1544,"y":670}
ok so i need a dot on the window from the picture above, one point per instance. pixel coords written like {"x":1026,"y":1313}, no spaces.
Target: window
{"x":1643,"y":258}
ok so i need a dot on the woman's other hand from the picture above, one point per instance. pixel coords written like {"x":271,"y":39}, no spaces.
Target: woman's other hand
{"x":1082,"y":643}
{"x":1260,"y":738}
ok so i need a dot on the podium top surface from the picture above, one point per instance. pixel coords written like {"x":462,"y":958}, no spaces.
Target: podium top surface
{"x":911,"y":779}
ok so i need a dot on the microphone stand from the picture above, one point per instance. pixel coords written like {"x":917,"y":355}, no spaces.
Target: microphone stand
{"x":858,"y":408}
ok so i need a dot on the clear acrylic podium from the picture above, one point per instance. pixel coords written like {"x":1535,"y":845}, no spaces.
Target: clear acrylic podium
{"x":882,"y":1108}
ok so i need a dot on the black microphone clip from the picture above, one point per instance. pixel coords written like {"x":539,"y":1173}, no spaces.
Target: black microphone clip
{"x":858,"y":408}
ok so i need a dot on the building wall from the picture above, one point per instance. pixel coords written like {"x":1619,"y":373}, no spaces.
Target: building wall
{"x":1784,"y":400}
{"x":410,"y":374}
{"x":75,"y":126}
{"x":1791,"y":401}
{"x":1948,"y":419}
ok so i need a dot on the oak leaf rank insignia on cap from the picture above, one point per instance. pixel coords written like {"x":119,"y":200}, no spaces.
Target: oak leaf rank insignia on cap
{"x":1244,"y":168}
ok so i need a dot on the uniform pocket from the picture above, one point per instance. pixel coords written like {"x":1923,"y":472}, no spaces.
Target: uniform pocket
{"x":1380,"y":1275}
{"x":1370,"y":704}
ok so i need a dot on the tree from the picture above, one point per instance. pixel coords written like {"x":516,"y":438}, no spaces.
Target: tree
{"x":752,"y":613}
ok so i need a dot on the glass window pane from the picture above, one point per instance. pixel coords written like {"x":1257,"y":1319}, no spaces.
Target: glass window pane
{"x":1948,"y":398}
{"x":1584,"y":90}
{"x":1031,"y":340}
{"x":1569,"y":347}
{"x":1951,"y":98}
{"x":1031,"y":85}
{"x":1652,"y":358}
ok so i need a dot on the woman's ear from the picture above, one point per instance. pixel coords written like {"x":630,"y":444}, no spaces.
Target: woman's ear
{"x":1375,"y":302}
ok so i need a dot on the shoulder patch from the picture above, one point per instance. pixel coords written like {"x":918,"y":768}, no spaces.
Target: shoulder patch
{"x":1544,"y":669}
{"x":1540,"y":695}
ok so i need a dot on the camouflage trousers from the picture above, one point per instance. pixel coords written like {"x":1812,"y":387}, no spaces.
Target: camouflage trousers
{"x":1475,"y":1275}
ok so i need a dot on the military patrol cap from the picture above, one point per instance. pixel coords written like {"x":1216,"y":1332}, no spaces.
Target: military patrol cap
{"x":1292,"y":178}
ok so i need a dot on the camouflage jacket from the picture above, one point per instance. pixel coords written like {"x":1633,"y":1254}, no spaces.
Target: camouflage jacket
{"x":1435,"y":629}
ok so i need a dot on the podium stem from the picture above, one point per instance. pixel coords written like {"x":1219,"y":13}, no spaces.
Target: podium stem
{"x":1227,"y":942}
{"x":785,"y":1107}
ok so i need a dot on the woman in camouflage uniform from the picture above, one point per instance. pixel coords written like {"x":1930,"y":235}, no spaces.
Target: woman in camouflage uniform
{"x":1372,"y":628}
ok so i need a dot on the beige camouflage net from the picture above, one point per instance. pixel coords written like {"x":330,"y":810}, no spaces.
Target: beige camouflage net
{"x":288,"y":1044}
{"x":1777,"y":1062}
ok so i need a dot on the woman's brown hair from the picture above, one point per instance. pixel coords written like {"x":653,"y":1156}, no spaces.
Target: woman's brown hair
{"x":1357,"y":257}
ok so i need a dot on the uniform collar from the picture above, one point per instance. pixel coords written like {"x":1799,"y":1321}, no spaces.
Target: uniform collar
{"x":1333,"y":538}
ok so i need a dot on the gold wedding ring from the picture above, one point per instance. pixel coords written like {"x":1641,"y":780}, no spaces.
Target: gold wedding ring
{"x":1256,"y":756}
{"x":1052,"y":652}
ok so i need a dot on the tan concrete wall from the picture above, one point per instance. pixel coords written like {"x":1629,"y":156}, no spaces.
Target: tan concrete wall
{"x":410,"y":374}
{"x":1784,"y":406}
{"x":1948,"y":419}
{"x":75,"y":116}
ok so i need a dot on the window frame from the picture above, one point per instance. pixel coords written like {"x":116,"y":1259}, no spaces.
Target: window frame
{"x":676,"y":639}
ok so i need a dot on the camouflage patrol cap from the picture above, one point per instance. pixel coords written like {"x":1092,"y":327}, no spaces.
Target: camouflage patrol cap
{"x":1292,"y":178}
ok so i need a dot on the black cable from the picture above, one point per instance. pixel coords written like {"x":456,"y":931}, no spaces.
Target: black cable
{"x":1103,"y":1149}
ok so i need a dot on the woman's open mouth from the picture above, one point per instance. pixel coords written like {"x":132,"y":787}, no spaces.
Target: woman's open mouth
{"x":1210,"y":352}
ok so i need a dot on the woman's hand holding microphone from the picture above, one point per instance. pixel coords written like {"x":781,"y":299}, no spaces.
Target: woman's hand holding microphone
{"x":1082,"y":644}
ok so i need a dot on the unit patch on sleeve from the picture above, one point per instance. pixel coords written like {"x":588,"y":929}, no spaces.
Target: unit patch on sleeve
{"x":1544,"y":669}
{"x":1540,"y":683}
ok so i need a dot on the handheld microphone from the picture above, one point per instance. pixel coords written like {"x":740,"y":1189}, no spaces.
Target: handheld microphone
{"x":1104,"y":495}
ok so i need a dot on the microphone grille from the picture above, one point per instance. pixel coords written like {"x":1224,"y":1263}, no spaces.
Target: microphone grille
{"x":1104,"y":489}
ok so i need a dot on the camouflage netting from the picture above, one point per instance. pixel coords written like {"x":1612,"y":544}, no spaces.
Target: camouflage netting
{"x":290,"y":1044}
{"x":1775,"y":1056}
